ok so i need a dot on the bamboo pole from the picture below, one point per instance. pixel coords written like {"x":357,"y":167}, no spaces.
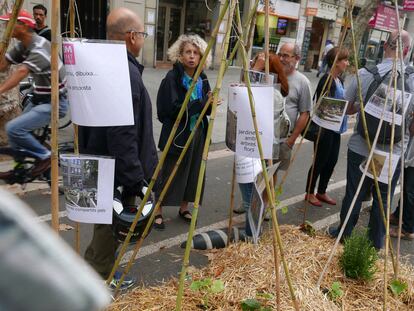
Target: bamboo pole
{"x":169,"y":141}
{"x":233,"y":184}
{"x":387,"y":225}
{"x":403,"y":125}
{"x":75,"y":127}
{"x":201,"y":174}
{"x":55,"y":115}
{"x":9,"y":28}
{"x":276,"y":231}
{"x":270,"y":162}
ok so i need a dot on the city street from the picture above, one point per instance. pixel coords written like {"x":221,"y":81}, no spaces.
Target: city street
{"x":161,"y":256}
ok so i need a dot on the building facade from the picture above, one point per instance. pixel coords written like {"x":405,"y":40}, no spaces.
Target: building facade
{"x":165,"y":20}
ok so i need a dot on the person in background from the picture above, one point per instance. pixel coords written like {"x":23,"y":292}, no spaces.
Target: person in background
{"x":132,"y":146}
{"x":246,"y":189}
{"x":358,"y":150}
{"x":186,"y":52}
{"x":40,"y":14}
{"x":329,"y":45}
{"x":298,"y":102}
{"x":327,"y":152}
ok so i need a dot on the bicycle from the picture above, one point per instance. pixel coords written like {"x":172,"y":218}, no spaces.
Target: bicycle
{"x":21,"y":162}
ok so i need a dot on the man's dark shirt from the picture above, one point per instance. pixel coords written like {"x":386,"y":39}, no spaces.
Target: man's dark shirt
{"x":45,"y":32}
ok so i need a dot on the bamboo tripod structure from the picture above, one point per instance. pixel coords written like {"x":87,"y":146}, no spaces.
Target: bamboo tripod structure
{"x":202,"y":171}
{"x":167,"y":147}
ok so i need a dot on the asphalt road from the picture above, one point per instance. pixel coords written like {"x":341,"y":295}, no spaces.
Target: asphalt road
{"x":161,"y":255}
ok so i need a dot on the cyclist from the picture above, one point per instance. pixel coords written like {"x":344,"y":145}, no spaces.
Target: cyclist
{"x":32,"y":56}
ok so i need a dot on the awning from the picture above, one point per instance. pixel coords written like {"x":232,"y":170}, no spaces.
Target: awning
{"x":281,"y":8}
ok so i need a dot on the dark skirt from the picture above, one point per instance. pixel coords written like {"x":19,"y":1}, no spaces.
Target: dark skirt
{"x":184,"y":185}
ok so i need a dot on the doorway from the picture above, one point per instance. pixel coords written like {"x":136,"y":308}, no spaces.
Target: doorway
{"x":170,"y":26}
{"x":92,"y":18}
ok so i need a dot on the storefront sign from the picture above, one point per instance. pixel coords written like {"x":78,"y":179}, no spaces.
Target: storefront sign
{"x":312,"y":8}
{"x":281,"y":8}
{"x":385,"y":18}
{"x":327,"y":11}
{"x":408,"y":5}
{"x":301,"y":30}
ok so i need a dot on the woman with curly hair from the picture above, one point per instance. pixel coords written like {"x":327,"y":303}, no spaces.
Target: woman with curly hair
{"x":186,"y":54}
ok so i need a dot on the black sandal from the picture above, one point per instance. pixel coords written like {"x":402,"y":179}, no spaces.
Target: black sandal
{"x":159,"y":226}
{"x":183,"y":214}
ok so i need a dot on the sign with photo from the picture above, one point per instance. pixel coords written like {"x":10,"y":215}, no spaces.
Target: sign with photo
{"x":99,"y":90}
{"x":256,"y":213}
{"x":375,"y":105}
{"x":241,"y":116}
{"x":331,"y":113}
{"x":381,"y":162}
{"x":88,"y":184}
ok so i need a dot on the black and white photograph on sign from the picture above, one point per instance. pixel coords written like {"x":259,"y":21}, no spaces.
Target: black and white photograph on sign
{"x":88,"y":188}
{"x":330,"y":113}
{"x":81,"y":182}
{"x":381,"y":160}
{"x":256,"y":212}
{"x":375,"y":105}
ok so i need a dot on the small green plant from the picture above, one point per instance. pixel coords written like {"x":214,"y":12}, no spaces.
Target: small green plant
{"x":253,"y":305}
{"x":398,"y":287}
{"x":359,"y":257}
{"x":335,"y":292}
{"x":207,"y":287}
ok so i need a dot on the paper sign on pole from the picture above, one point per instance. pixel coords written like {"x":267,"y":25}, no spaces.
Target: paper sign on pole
{"x":381,"y":162}
{"x":376,"y":104}
{"x":247,"y":169}
{"x":239,"y":105}
{"x":330,"y":113}
{"x":88,"y":183}
{"x":98,"y":83}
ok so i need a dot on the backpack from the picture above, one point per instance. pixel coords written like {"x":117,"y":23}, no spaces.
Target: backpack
{"x":384,"y":137}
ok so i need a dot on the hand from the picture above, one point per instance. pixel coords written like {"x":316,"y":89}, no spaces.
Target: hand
{"x":290,"y":142}
{"x":259,"y":62}
{"x":141,"y":189}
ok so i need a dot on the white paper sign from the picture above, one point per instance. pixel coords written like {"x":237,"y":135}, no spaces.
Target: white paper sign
{"x":381,"y":162}
{"x":88,"y":185}
{"x":256,"y":213}
{"x":246,"y":144}
{"x":375,"y":104}
{"x":98,"y":83}
{"x":330,"y":113}
{"x":247,"y":169}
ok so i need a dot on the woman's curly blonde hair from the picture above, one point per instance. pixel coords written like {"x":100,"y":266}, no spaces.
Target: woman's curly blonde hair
{"x":176,"y":50}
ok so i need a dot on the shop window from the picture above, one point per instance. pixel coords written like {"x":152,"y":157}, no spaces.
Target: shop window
{"x":196,"y":20}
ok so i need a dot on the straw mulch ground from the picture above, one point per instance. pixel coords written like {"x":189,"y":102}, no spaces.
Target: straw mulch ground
{"x":247,"y":270}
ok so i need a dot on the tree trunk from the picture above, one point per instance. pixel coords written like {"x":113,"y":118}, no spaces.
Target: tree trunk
{"x":361,"y":23}
{"x":9,"y":101}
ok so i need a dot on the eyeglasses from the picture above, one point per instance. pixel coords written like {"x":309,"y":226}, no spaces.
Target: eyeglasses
{"x":282,"y":55}
{"x":139,"y":33}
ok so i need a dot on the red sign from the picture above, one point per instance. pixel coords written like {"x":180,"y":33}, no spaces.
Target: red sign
{"x":385,"y":18}
{"x":408,"y":5}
